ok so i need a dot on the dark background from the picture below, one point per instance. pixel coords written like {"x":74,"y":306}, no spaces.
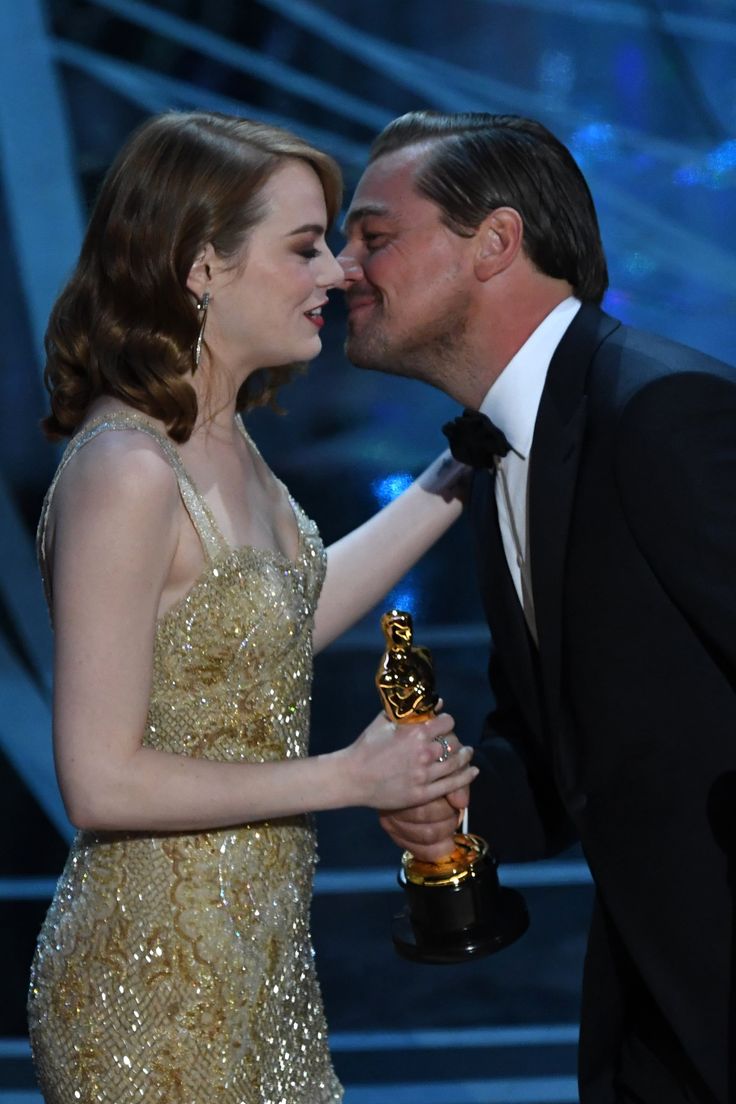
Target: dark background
{"x":644,"y":93}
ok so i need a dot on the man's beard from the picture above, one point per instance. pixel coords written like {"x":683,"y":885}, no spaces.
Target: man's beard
{"x":430,"y":352}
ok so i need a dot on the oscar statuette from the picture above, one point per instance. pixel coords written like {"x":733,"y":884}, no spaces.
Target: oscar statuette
{"x":456,"y":909}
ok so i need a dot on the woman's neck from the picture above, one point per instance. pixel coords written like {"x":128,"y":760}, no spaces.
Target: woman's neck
{"x":217,"y":393}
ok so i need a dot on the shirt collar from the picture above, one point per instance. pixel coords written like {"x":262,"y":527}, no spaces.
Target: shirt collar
{"x":513,"y":399}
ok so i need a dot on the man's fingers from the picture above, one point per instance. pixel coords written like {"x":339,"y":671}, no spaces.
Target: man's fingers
{"x":426,"y":842}
{"x":429,"y":813}
{"x":412,"y":834}
{"x":436,"y":852}
{"x":459,"y":799}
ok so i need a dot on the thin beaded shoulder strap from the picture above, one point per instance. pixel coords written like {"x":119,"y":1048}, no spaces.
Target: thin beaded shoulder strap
{"x":213,"y":542}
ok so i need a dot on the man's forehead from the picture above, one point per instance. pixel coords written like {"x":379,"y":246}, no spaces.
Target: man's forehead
{"x":386,"y":186}
{"x":360,"y":210}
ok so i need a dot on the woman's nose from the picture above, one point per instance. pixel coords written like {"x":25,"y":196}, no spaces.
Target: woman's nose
{"x":334,"y":275}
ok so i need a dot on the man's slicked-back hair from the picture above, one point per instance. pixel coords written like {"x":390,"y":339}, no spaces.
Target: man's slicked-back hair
{"x":476,"y":162}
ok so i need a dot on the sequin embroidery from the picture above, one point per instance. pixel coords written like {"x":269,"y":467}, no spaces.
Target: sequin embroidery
{"x":178,"y":967}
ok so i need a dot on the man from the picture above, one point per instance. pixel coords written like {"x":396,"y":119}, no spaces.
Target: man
{"x":605,"y":522}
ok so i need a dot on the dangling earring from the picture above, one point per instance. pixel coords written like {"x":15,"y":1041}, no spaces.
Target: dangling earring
{"x":202,"y":306}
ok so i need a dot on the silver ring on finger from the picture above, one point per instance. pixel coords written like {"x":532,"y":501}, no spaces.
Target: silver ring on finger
{"x":446,"y":750}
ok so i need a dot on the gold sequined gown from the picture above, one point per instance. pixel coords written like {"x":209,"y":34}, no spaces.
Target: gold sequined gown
{"x":178,"y":967}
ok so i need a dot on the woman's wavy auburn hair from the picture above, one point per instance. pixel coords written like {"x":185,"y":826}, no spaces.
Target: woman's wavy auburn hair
{"x":125,"y":324}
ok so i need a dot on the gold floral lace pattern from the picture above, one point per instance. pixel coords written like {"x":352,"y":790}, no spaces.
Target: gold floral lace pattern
{"x":178,"y":967}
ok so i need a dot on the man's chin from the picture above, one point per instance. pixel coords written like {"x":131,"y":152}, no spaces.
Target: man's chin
{"x":361,"y":355}
{"x":369,"y":350}
{"x":374,"y":360}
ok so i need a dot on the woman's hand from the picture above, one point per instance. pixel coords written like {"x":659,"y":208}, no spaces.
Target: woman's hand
{"x":447,"y":477}
{"x":427,"y":830}
{"x":398,"y":766}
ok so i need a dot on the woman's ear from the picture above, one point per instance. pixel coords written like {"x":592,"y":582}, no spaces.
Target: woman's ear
{"x":200,"y":274}
{"x":499,"y":239}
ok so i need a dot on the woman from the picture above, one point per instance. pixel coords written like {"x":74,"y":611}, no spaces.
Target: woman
{"x":175,"y":962}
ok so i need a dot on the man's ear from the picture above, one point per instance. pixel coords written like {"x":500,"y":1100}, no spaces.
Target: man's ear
{"x":499,"y":239}
{"x":200,"y":274}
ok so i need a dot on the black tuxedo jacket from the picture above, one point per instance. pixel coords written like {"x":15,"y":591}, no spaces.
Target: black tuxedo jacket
{"x":620,"y":730}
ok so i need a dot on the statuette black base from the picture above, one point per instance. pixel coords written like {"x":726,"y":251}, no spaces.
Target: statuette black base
{"x":458,"y":920}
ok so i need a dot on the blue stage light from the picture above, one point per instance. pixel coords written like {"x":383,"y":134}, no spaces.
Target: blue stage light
{"x":389,"y":487}
{"x":594,"y":143}
{"x":404,"y":597}
{"x":557,"y":72}
{"x":639,"y":264}
{"x":716,"y":170}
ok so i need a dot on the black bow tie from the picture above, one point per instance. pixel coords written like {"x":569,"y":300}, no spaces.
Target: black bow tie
{"x":475,"y":440}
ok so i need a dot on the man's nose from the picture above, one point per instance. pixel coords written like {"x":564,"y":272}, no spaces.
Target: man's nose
{"x":351,"y":267}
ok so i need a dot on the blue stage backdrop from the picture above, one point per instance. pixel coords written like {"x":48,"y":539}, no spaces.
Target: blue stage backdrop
{"x":644,"y":93}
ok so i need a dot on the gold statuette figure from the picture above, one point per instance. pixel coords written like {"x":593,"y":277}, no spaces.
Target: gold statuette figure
{"x":405,"y":676}
{"x":456,"y":908}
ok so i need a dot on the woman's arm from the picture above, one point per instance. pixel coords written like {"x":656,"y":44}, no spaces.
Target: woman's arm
{"x":365,"y":564}
{"x":117,"y":515}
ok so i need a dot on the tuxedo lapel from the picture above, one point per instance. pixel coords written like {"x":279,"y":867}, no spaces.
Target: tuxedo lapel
{"x":555,"y":456}
{"x":503,"y":609}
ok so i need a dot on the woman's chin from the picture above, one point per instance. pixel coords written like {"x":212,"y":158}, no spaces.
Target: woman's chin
{"x":314,"y":346}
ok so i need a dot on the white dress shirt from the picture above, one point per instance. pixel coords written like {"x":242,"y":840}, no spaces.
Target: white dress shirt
{"x":512,"y":403}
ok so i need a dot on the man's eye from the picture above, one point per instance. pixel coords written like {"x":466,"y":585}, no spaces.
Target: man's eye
{"x":373,"y":240}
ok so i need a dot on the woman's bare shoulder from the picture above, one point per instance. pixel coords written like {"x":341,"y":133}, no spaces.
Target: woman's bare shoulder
{"x":122,"y":460}
{"x":119,"y":477}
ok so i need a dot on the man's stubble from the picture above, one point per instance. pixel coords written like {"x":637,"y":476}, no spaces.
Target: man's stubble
{"x":435,"y":352}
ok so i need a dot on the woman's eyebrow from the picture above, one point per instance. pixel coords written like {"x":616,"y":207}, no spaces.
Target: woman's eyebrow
{"x":308,"y":228}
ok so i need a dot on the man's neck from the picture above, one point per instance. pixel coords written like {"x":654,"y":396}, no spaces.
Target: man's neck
{"x":498,"y":338}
